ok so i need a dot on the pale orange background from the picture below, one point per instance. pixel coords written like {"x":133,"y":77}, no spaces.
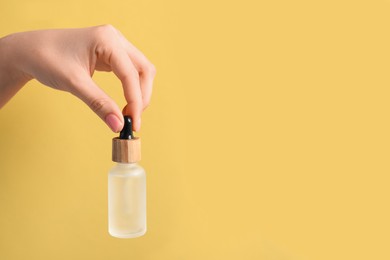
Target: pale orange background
{"x":267,"y":136}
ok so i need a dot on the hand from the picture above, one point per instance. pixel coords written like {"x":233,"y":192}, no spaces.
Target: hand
{"x":66,"y":59}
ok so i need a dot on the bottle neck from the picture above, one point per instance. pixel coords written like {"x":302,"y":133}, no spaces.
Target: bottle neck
{"x":126,"y":164}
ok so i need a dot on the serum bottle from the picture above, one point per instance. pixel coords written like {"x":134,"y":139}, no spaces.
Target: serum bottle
{"x":126,"y":186}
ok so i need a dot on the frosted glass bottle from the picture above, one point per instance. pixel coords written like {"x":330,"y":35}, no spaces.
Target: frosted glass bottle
{"x":126,"y":186}
{"x":127,"y":200}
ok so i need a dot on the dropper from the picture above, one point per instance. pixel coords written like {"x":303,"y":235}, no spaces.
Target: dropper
{"x":126,"y":148}
{"x":127,"y":131}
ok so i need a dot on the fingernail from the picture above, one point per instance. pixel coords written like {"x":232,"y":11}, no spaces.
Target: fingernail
{"x":113,"y":122}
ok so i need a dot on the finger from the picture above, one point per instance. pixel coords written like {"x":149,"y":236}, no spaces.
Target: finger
{"x":146,"y":76}
{"x":125,"y":70}
{"x":99,"y":102}
{"x":145,"y":68}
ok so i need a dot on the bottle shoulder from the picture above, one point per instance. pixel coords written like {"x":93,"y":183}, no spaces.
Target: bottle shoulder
{"x":126,"y":169}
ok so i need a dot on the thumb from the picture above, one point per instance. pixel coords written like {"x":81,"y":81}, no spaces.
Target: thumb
{"x":100,"y":103}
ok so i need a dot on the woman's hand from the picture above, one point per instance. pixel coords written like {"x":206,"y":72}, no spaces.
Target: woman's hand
{"x":66,"y":59}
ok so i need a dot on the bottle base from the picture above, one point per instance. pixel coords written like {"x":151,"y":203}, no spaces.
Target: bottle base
{"x":130,"y":235}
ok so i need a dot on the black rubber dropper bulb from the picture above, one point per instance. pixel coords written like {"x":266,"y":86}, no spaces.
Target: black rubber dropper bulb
{"x":127,"y":131}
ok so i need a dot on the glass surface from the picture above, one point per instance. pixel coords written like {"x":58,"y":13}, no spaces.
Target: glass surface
{"x":127,"y":201}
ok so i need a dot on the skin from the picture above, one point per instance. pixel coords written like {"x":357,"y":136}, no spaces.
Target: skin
{"x":65,"y":59}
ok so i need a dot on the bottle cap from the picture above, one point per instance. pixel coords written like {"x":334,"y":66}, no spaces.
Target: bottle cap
{"x":126,"y":148}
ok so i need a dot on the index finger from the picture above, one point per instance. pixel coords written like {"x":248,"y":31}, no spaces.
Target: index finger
{"x":127,"y":73}
{"x":145,"y":68}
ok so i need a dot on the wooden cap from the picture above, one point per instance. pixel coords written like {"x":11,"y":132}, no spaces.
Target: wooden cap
{"x":126,"y":150}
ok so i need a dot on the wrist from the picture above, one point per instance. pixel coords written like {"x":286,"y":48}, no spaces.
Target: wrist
{"x":12,"y":79}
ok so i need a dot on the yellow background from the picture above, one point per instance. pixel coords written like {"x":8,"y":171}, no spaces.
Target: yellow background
{"x":267,"y":136}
